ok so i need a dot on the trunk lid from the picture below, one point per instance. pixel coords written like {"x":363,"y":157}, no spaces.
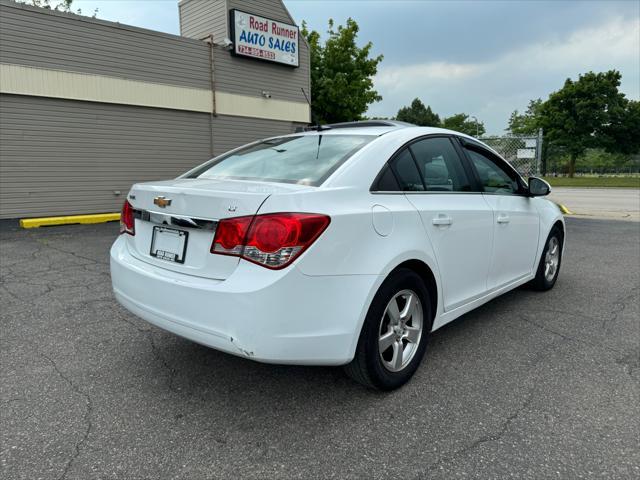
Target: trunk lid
{"x":186,"y":224}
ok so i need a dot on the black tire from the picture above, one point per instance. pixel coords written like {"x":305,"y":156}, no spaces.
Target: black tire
{"x":542,"y":282}
{"x":367,"y":365}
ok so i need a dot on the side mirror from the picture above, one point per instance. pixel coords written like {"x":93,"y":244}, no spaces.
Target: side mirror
{"x":538,"y":187}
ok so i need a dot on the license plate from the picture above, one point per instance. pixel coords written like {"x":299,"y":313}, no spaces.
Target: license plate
{"x":169,"y":244}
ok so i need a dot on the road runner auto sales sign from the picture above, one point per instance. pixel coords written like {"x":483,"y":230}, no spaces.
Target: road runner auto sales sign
{"x":264,"y":39}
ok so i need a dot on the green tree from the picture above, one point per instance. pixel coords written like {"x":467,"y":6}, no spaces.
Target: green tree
{"x":418,"y":114}
{"x":598,"y":159}
{"x":526,"y":123}
{"x":622,"y":132}
{"x":461,"y":122}
{"x":341,"y":74}
{"x":591,"y":113}
{"x":57,"y":5}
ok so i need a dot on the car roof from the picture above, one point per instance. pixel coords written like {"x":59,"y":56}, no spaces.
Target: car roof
{"x":383,"y":130}
{"x":362,"y":127}
{"x":378,"y":128}
{"x":376,"y":131}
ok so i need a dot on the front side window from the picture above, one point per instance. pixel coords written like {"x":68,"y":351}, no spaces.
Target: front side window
{"x":440,"y":165}
{"x":305,"y":159}
{"x":493,"y":177}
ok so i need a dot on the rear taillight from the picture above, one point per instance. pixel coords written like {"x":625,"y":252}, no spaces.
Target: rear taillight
{"x":127,"y":224}
{"x":272,"y":240}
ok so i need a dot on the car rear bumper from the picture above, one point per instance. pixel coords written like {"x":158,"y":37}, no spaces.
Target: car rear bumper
{"x":271,"y":316}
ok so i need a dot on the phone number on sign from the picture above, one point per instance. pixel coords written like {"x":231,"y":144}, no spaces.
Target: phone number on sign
{"x":256,"y":52}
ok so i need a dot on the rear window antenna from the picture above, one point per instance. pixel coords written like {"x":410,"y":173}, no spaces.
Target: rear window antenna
{"x":314,"y":119}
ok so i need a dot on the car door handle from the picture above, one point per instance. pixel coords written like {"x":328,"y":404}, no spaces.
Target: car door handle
{"x":502,"y":218}
{"x":441,"y":220}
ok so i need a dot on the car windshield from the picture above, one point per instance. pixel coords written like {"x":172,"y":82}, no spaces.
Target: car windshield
{"x":306,"y":159}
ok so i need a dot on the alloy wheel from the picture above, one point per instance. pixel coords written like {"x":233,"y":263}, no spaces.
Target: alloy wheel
{"x":551,"y":259}
{"x":400,"y":330}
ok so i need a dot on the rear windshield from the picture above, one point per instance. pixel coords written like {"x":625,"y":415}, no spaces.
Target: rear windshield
{"x":306,"y":160}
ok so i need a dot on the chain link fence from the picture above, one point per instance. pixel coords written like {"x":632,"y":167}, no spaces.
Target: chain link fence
{"x":523,"y":152}
{"x":531,"y":156}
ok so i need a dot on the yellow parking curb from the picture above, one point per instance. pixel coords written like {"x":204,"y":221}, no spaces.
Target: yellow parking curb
{"x":564,"y":209}
{"x":69,"y":219}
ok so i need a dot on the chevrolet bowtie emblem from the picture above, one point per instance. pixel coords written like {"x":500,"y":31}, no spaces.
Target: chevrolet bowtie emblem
{"x":162,"y":201}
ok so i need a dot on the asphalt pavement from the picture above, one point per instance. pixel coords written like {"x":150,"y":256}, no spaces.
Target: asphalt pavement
{"x":532,"y":385}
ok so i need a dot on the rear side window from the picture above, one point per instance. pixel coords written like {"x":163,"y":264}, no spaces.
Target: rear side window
{"x":387,"y":181}
{"x":440,"y":165}
{"x":407,"y":172}
{"x":306,"y":159}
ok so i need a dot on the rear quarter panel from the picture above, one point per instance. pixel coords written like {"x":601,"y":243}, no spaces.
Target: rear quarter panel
{"x":351,"y":245}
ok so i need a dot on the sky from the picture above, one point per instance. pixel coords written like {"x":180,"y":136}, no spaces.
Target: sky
{"x":484,"y":58}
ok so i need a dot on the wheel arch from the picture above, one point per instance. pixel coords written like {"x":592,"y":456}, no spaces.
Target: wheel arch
{"x":427,"y":276}
{"x":560,"y":225}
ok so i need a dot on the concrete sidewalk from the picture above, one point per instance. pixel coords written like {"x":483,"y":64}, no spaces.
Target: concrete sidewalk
{"x":612,"y":203}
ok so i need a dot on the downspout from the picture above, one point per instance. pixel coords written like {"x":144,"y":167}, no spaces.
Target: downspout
{"x":209,"y":40}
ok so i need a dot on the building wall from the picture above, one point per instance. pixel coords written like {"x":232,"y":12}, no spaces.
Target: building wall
{"x":266,"y":8}
{"x":62,"y":157}
{"x":199,"y":18}
{"x":233,"y":131}
{"x":246,"y":76}
{"x":50,"y":40}
{"x":90,"y":107}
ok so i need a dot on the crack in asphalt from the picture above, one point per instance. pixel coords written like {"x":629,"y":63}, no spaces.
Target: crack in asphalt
{"x":12,"y":400}
{"x":504,"y":426}
{"x":9,"y":292}
{"x":87,"y":416}
{"x":630,"y":362}
{"x":148,"y":332}
{"x":42,"y":245}
{"x":156,"y":353}
{"x":545,"y":328}
{"x":47,"y":244}
{"x":620,"y":304}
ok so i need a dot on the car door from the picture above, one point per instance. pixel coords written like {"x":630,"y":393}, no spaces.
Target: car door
{"x":516,"y":220}
{"x":456,"y":219}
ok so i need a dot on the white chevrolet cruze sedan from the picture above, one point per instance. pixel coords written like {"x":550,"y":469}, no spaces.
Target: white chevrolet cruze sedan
{"x":343,"y":245}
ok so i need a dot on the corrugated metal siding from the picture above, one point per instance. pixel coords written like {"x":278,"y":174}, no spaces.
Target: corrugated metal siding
{"x":250,"y":77}
{"x":265,"y":8}
{"x":246,"y":76}
{"x":63,"y":157}
{"x":199,"y":18}
{"x":60,"y":157}
{"x":231,"y":132}
{"x":41,"y":38}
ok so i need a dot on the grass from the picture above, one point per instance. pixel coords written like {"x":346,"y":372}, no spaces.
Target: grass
{"x":593,"y":181}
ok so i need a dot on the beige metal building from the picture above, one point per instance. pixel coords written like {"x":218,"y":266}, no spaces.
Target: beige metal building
{"x":88,"y":107}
